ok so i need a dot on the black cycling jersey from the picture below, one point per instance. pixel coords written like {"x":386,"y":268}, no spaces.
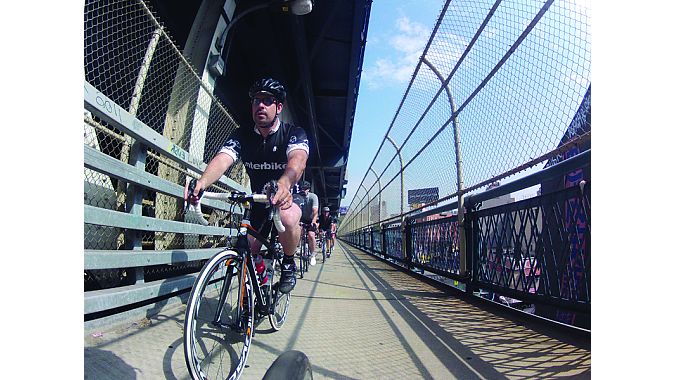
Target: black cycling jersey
{"x":265,"y":158}
{"x":325,"y":223}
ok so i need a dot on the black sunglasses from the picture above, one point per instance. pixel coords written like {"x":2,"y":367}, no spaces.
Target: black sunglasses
{"x":267,"y":101}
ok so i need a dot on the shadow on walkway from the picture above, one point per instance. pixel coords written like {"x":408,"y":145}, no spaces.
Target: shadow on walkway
{"x":102,"y":364}
{"x":469,"y":340}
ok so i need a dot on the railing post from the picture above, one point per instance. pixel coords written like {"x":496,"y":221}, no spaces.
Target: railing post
{"x":458,"y":162}
{"x":137,"y":154}
{"x":468,"y":235}
{"x":134,"y":205}
{"x":380,"y":216}
{"x":383,"y":244}
{"x":401,"y":175}
{"x":407,"y":243}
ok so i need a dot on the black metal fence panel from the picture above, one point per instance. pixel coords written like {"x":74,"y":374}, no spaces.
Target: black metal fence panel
{"x":436,"y":245}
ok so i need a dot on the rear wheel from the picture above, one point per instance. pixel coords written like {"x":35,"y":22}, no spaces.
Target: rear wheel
{"x":219,"y":319}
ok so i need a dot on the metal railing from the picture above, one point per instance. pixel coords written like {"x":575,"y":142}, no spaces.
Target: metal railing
{"x":536,"y":250}
{"x":150,"y":122}
{"x":501,"y":90}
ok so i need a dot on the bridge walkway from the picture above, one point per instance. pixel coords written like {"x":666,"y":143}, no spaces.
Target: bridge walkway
{"x":359,"y":317}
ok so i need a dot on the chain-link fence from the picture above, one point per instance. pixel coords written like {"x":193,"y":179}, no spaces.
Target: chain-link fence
{"x":501,"y":90}
{"x":131,"y":60}
{"x":493,"y":93}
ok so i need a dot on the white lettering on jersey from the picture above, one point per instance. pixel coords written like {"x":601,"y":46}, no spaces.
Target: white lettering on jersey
{"x":265,"y":166}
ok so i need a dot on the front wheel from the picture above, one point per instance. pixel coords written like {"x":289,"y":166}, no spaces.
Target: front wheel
{"x":279,"y":302}
{"x":301,"y":261}
{"x":219,"y":319}
{"x":291,"y":365}
{"x":323,"y":250}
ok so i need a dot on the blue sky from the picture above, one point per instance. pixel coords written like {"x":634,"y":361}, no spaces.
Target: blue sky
{"x":398,"y":32}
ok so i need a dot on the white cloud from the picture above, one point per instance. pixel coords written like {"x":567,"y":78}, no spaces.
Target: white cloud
{"x":407,"y":46}
{"x":412,"y":38}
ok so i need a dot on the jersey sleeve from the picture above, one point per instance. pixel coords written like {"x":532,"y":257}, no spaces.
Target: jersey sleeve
{"x":314,"y":200}
{"x":298,"y":140}
{"x":232,"y":146}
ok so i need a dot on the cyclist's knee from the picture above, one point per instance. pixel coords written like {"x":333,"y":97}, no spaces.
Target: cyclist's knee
{"x":291,"y":216}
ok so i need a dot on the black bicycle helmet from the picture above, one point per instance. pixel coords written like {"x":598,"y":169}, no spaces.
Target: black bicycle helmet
{"x":326,"y":209}
{"x":268,"y":85}
{"x":305,"y":185}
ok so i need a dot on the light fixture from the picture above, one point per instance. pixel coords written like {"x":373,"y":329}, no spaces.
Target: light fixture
{"x":300,"y":7}
{"x":216,"y":62}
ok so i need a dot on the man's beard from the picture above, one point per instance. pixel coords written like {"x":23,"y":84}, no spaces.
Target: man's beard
{"x":270,"y":124}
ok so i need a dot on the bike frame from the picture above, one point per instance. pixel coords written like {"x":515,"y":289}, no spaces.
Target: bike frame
{"x":243,"y":249}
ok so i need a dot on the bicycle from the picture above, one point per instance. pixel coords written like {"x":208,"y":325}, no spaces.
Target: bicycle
{"x":304,"y":252}
{"x":330,"y":242}
{"x":227,"y":302}
{"x":323,"y":242}
{"x":326,"y":244}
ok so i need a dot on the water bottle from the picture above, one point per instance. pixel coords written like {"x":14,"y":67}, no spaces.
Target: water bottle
{"x":260,"y":269}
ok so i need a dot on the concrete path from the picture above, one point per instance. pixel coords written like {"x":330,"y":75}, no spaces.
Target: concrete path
{"x":357,"y":317}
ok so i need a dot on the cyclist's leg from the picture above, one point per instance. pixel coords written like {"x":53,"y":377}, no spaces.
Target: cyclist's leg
{"x":289,"y":239}
{"x":312,"y":242}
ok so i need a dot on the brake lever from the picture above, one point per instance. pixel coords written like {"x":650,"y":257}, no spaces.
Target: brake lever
{"x":192,"y":199}
{"x":270,"y":191}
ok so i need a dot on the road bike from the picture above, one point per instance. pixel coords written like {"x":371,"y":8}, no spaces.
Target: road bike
{"x":304,"y":252}
{"x":326,"y":244}
{"x":228,"y":300}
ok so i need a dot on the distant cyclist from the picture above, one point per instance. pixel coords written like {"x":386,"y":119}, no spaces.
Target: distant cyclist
{"x":327,"y":225}
{"x":310,"y":208}
{"x":334,"y":228}
{"x":270,"y":150}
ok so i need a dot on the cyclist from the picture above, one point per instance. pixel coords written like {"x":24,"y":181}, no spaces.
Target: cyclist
{"x":271,"y":150}
{"x":334,"y":228}
{"x":310,"y":207}
{"x":326,"y":224}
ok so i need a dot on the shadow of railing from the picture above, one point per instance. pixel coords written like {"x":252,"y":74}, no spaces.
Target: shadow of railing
{"x":474,"y":339}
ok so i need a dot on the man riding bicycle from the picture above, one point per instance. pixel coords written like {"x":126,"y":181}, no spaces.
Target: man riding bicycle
{"x":310,"y":209}
{"x":271,"y":150}
{"x":327,"y":224}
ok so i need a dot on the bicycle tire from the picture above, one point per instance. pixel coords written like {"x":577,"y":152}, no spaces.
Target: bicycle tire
{"x":219,"y":350}
{"x":301,"y":261}
{"x":291,"y":365}
{"x":306,"y":257}
{"x":323,"y":250}
{"x":279,"y":302}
